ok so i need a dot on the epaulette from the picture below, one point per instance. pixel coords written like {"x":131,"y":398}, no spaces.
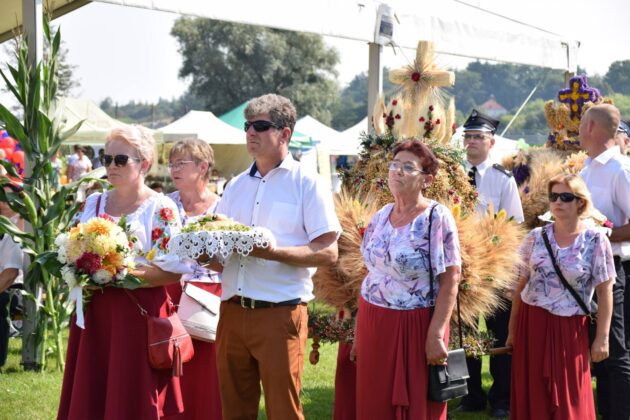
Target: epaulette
{"x":502,"y":170}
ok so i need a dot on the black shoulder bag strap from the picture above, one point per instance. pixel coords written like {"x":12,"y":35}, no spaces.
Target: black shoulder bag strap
{"x":564,"y":281}
{"x":432,"y":291}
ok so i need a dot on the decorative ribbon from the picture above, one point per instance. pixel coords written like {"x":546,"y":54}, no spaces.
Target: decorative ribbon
{"x":76,"y":294}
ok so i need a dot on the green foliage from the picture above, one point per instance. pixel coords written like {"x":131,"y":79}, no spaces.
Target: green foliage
{"x":152,"y":115}
{"x":229,"y":63}
{"x":40,"y":136}
{"x":618,"y":77}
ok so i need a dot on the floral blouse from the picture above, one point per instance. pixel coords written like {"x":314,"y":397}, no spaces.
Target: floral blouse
{"x":153,"y":224}
{"x":398,"y":258}
{"x":585,"y":264}
{"x":197,"y":272}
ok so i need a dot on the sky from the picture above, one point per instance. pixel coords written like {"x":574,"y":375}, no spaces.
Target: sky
{"x":128,"y":54}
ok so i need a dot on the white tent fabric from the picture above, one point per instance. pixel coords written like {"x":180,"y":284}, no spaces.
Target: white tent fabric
{"x":456,"y":28}
{"x":202,"y":125}
{"x":96,"y":123}
{"x":355,"y":132}
{"x":228,"y":143}
{"x":327,"y":139}
{"x":502,"y":146}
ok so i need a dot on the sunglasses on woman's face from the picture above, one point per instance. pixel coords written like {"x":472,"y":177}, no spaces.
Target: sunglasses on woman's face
{"x":260,"y":125}
{"x":119,"y":160}
{"x":565,"y":197}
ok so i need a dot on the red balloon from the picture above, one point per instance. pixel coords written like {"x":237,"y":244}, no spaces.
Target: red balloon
{"x":7,"y":143}
{"x":18,"y":161}
{"x":8,"y":152}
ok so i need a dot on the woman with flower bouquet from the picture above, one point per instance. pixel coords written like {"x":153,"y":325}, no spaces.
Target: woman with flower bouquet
{"x":108,"y":375}
{"x":190,"y":164}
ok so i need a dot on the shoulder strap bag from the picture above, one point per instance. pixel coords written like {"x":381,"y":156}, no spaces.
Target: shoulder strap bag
{"x":449,"y":381}
{"x":590,"y":313}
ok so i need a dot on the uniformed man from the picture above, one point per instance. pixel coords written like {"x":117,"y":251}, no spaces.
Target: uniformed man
{"x":622,"y":138}
{"x":497,"y":191}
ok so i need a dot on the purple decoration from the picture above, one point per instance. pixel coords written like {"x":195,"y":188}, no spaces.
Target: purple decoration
{"x":4,"y":134}
{"x":521,"y":174}
{"x":526,"y":190}
{"x":577,"y":94}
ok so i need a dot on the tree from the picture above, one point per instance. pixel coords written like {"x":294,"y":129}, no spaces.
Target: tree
{"x":618,"y":77}
{"x":229,"y":63}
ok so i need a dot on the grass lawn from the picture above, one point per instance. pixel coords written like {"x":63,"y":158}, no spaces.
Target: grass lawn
{"x":34,"y":396}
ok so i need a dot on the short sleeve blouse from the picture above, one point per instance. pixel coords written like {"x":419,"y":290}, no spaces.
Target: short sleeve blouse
{"x":398,"y":258}
{"x":197,"y":273}
{"x":586,"y":263}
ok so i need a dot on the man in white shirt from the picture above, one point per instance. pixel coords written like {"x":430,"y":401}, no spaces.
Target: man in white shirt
{"x":263,"y":324}
{"x":497,"y":191}
{"x":622,"y":138}
{"x":607,"y":176}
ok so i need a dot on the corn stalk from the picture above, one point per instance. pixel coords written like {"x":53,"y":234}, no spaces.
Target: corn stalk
{"x":46,"y":210}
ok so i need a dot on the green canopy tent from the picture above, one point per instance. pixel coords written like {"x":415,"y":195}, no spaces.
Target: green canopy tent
{"x":236,"y":118}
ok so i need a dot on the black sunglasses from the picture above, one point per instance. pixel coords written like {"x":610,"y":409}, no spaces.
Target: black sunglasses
{"x":260,"y":125}
{"x":119,"y":160}
{"x":564,"y":197}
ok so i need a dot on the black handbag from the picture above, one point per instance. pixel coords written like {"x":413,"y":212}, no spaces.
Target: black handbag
{"x":591,"y":312}
{"x":449,"y":381}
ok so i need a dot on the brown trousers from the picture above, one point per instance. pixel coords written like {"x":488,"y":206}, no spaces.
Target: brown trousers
{"x":261,"y":345}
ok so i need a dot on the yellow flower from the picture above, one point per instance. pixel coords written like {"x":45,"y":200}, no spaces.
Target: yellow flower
{"x":151,"y":254}
{"x":99,"y":226}
{"x":457,"y":211}
{"x":501,"y":215}
{"x":74,"y":232}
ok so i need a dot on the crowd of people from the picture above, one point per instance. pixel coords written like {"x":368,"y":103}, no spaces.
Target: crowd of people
{"x":412,"y":252}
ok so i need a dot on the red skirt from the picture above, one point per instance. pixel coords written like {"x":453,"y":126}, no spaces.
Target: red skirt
{"x":392,"y":370}
{"x":551,"y":376}
{"x":200,"y":382}
{"x":107,"y":373}
{"x":345,"y":385}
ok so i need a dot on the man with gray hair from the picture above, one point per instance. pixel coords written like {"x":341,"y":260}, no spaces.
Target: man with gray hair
{"x":607,"y":176}
{"x":263,"y":324}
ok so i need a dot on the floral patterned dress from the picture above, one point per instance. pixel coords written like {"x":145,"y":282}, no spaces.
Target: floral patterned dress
{"x":107,"y":373}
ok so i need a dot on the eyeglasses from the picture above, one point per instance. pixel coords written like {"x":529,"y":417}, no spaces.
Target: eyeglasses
{"x":119,"y":160}
{"x":407,"y":168}
{"x":565,"y":197}
{"x":175,"y":166}
{"x":478,"y":137}
{"x":260,"y":125}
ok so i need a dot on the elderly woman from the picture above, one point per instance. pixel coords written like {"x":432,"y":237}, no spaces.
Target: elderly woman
{"x":551,"y":376}
{"x":190,"y":163}
{"x":108,"y":375}
{"x":400,"y":328}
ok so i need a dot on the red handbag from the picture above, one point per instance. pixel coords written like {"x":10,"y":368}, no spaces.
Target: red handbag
{"x":170,"y":346}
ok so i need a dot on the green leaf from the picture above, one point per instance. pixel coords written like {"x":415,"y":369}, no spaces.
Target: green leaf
{"x":48,"y":260}
{"x":71,"y":131}
{"x":130,"y":282}
{"x":7,"y":226}
{"x":10,"y":86}
{"x":56,"y":43}
{"x":13,"y":126}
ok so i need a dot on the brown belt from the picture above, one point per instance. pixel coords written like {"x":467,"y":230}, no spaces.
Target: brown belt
{"x":250,"y":303}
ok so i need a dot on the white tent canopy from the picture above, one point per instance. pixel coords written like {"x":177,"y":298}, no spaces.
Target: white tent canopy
{"x":355,"y":132}
{"x":455,"y":28}
{"x":96,"y":123}
{"x":228,"y":143}
{"x":202,"y":125}
{"x":327,"y":139}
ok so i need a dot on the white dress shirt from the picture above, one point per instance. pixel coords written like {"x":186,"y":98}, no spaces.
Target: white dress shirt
{"x":11,"y":256}
{"x":497,"y":188}
{"x":607,"y":177}
{"x":297,"y":208}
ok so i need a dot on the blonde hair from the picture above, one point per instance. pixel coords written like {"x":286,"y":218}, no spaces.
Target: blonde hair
{"x":579,"y":189}
{"x":137,"y":137}
{"x":199,"y":151}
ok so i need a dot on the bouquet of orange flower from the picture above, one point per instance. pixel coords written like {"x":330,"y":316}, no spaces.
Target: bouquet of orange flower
{"x":97,"y":253}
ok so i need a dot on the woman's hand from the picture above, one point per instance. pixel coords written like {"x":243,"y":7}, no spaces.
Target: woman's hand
{"x":436,"y":351}
{"x":353,"y":351}
{"x":599,"y":349}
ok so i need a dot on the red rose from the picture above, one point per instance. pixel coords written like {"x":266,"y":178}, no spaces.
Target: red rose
{"x":456,"y":199}
{"x":164,"y":243}
{"x":431,"y":108}
{"x":395,"y":102}
{"x":397,"y":116}
{"x":89,"y":263}
{"x":437,"y":121}
{"x":384,"y":115}
{"x":362,"y":231}
{"x":156,"y":233}
{"x":421,"y":119}
{"x":415,"y":76}
{"x":166,"y":214}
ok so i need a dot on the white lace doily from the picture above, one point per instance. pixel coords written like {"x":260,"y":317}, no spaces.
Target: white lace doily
{"x":219,"y":242}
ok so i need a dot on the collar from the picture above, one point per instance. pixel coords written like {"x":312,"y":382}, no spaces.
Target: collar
{"x":287,"y":164}
{"x":605,"y":156}
{"x":481,"y":168}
